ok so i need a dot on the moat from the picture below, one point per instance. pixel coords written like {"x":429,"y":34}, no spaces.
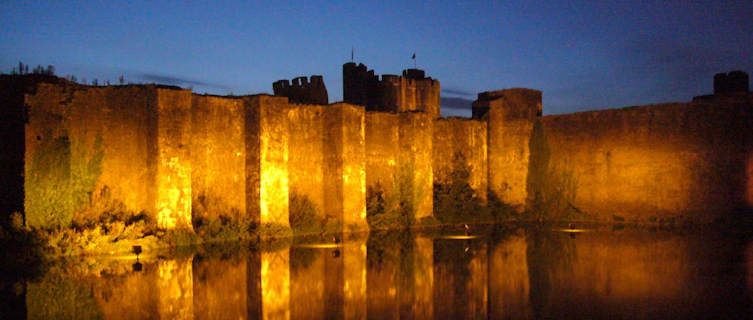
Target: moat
{"x":484,"y":272}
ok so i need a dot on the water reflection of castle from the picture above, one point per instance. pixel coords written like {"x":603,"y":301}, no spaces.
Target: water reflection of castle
{"x":523,"y":274}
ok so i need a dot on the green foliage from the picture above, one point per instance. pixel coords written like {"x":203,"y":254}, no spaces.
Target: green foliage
{"x":406,"y":193}
{"x":223,"y":229}
{"x":499,"y":210}
{"x":304,"y":215}
{"x":273,"y":230}
{"x":47,"y":185}
{"x":176,"y":238}
{"x":384,"y":210}
{"x":62,"y":176}
{"x":16,"y":221}
{"x":396,"y":208}
{"x":455,"y":201}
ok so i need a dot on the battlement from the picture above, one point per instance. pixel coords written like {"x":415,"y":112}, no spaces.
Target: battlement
{"x":302,"y":90}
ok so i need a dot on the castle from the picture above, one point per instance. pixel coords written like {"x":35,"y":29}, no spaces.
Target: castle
{"x":293,"y":159}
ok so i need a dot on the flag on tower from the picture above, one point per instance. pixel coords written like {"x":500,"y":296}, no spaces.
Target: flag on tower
{"x":414,"y":56}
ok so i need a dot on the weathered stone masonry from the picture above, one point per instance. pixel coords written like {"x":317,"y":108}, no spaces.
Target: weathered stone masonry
{"x":178,"y":156}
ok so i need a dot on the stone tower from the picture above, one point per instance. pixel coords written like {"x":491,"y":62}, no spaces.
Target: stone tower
{"x":510,"y":115}
{"x":731,"y":83}
{"x":412,"y":91}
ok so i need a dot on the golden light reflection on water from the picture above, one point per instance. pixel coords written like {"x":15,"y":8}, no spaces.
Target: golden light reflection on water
{"x":175,"y":287}
{"x":520,"y":274}
{"x":275,"y":284}
{"x":354,"y":272}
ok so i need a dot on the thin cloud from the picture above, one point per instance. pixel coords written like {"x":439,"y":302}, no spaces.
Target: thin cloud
{"x":177,"y":81}
{"x":457,"y":92}
{"x":455,"y":103}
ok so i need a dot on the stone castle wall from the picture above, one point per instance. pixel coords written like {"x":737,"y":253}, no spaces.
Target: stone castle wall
{"x":657,"y":162}
{"x":92,"y":148}
{"x":179,"y":157}
{"x":510,"y":115}
{"x":460,"y":148}
{"x":399,"y":159}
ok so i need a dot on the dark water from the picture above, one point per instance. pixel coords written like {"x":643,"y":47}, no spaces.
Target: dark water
{"x":520,"y":273}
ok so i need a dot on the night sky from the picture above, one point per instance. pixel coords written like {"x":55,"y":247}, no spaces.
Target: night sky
{"x":582,"y":55}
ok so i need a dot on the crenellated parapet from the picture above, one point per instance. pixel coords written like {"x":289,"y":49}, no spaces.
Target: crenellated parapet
{"x":411,"y":91}
{"x":301,"y":90}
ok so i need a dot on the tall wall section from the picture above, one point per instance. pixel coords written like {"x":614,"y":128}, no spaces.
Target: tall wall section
{"x":651,"y":163}
{"x":399,"y":161}
{"x":382,"y":149}
{"x":267,"y":142}
{"x":13,"y":118}
{"x":306,"y":166}
{"x":511,"y":115}
{"x":327,"y":174}
{"x":345,"y":172}
{"x":218,"y":157}
{"x":93,"y":148}
{"x":459,"y":154}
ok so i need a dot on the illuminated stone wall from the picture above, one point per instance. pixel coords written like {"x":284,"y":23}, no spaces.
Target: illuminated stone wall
{"x":218,"y":157}
{"x":510,"y":114}
{"x":399,"y":159}
{"x":326,"y":163}
{"x":381,"y":151}
{"x":306,"y":161}
{"x":414,"y":158}
{"x":173,"y":158}
{"x":267,"y":185}
{"x":93,"y":148}
{"x":655,"y":162}
{"x":459,"y":147}
{"x":345,"y":173}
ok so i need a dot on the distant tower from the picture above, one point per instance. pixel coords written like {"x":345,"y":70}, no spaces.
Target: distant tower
{"x":359,"y":85}
{"x":731,"y":83}
{"x":302,"y":90}
{"x":412,"y":91}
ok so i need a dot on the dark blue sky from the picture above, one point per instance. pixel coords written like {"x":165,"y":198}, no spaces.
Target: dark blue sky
{"x":582,"y":55}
